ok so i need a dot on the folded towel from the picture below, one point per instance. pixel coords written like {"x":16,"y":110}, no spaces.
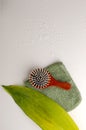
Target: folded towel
{"x":68,"y":99}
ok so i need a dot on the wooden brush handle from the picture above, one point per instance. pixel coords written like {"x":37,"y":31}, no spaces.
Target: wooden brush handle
{"x":64,"y":85}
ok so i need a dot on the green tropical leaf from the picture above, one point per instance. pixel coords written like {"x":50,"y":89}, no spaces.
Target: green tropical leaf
{"x":41,"y":109}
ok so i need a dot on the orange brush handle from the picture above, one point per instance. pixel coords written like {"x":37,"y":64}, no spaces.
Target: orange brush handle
{"x":54,"y":82}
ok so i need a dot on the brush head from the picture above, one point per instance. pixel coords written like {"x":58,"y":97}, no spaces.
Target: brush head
{"x":40,"y":78}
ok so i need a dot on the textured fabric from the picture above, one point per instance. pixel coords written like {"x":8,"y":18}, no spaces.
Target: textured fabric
{"x":68,"y":99}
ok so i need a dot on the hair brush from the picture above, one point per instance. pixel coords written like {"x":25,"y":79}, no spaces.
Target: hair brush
{"x":41,"y":78}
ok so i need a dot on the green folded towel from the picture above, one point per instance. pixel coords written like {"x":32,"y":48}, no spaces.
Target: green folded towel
{"x":68,"y":99}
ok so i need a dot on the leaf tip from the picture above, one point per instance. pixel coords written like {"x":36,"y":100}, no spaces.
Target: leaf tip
{"x":3,"y":86}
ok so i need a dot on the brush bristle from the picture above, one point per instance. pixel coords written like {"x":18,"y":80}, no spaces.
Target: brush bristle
{"x":39,"y":78}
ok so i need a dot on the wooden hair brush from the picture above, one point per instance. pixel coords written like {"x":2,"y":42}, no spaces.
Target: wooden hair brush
{"x":41,"y":78}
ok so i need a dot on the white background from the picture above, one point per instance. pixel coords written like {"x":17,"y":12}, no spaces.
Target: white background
{"x":38,"y":33}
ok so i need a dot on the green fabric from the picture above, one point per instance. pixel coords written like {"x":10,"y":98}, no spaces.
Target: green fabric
{"x":68,"y":99}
